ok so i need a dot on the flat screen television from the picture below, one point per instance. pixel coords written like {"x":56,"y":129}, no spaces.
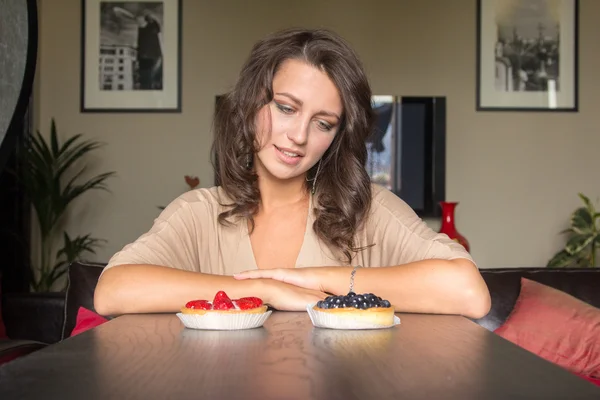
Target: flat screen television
{"x":407,"y":150}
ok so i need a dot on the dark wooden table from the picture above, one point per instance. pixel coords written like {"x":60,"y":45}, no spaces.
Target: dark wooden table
{"x":155,"y":357}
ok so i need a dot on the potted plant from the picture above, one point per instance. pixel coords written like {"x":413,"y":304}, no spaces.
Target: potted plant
{"x":52,"y":178}
{"x":584,"y":238}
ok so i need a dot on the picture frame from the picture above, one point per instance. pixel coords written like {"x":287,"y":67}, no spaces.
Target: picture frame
{"x":130,"y":56}
{"x":527,"y":55}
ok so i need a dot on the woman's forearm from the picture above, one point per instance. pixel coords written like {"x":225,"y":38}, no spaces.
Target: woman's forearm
{"x":127,"y":289}
{"x":428,"y":286}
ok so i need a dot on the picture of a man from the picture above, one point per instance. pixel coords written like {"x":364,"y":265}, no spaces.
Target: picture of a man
{"x":149,"y":53}
{"x":131,"y":45}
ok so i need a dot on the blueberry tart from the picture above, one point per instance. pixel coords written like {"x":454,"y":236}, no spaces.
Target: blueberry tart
{"x":364,"y":307}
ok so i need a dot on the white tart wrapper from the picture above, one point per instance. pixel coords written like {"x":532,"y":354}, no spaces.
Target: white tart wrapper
{"x":332,"y":321}
{"x":224,"y":321}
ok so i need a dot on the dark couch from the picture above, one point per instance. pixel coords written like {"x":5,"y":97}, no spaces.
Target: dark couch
{"x":35,"y":320}
{"x":505,"y":284}
{"x":55,"y":319}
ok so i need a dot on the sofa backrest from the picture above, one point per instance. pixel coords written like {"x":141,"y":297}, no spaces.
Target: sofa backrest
{"x":37,"y":316}
{"x":504,"y":285}
{"x":82,"y":280}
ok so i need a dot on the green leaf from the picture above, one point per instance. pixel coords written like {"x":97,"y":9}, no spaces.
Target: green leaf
{"x":67,"y":156}
{"x":73,"y":248}
{"x":577,"y":243}
{"x":71,"y":191}
{"x":588,"y":203}
{"x":41,"y":148}
{"x":582,"y":221}
{"x":57,"y":274}
{"x":53,"y":138}
{"x":561,"y":259}
{"x":59,"y":269}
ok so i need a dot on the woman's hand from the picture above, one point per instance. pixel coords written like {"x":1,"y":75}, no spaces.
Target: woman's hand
{"x":286,"y":297}
{"x":312,"y":278}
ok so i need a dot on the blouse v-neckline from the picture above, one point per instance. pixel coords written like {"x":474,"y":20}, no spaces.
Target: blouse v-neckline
{"x":248,"y":251}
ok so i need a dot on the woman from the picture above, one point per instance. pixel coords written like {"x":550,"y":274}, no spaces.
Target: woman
{"x":290,"y":140}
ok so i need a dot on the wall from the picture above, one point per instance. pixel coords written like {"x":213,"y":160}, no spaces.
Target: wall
{"x":516,"y":175}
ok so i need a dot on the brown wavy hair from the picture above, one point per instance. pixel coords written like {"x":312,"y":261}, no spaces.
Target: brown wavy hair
{"x":343,"y":189}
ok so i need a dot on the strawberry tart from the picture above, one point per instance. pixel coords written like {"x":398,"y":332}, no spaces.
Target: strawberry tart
{"x":223,"y":304}
{"x":224,"y":313}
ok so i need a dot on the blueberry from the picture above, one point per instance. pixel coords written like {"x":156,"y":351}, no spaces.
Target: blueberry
{"x":320,"y":303}
{"x":385,"y":303}
{"x":356,"y":305}
{"x":364,"y":305}
{"x":360,"y":298}
{"x":351,"y":294}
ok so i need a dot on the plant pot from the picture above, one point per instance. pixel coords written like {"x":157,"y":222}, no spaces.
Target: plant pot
{"x":448,"y":226}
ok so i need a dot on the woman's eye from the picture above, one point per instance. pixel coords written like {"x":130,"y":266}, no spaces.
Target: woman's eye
{"x":324,"y":126}
{"x":284,"y":109}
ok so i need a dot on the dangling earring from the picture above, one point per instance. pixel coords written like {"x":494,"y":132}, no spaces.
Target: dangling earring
{"x":248,"y":161}
{"x":314,"y":179}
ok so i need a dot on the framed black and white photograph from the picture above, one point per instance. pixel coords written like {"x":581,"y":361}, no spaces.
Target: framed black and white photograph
{"x":527,"y":55}
{"x":131,"y":56}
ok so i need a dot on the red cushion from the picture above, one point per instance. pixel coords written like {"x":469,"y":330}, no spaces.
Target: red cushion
{"x":557,"y":327}
{"x":86,"y":320}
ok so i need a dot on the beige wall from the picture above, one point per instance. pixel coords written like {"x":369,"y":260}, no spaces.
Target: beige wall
{"x":516,"y":175}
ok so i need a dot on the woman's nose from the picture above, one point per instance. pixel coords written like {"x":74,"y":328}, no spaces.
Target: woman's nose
{"x":299,"y":133}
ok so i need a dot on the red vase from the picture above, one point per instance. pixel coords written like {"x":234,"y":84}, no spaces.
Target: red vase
{"x":448,"y":227}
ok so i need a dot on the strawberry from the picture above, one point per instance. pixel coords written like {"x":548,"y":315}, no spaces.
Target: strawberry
{"x":198,"y":305}
{"x":222,"y":301}
{"x":246,"y":303}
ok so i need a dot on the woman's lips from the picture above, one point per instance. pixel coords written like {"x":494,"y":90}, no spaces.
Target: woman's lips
{"x":287,"y":157}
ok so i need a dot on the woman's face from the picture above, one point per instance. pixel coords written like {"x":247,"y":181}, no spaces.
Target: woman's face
{"x":298,"y":126}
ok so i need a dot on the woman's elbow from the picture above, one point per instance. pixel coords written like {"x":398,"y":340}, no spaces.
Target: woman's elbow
{"x":478,"y":302}
{"x":101,"y":301}
{"x":476,"y":296}
{"x":104,"y":300}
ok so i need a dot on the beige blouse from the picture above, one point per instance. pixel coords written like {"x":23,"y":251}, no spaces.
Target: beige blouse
{"x":188,"y":236}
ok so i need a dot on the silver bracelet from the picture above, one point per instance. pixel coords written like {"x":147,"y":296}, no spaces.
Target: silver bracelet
{"x":352,"y":277}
